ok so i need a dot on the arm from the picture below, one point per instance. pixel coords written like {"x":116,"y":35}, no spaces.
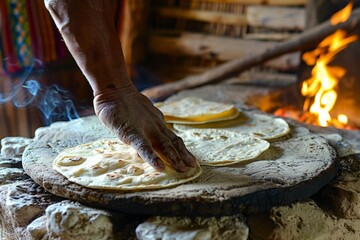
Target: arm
{"x":88,"y":28}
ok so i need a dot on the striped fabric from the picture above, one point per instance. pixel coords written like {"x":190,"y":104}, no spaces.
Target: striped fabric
{"x":27,"y":32}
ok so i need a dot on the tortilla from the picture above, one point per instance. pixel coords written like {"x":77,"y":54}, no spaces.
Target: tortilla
{"x":216,"y":147}
{"x":258,"y":125}
{"x":196,"y":110}
{"x":111,"y":164}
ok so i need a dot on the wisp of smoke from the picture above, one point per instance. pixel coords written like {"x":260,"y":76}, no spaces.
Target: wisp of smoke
{"x":54,"y":102}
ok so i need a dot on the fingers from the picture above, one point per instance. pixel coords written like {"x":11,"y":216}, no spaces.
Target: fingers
{"x":164,"y":147}
{"x":178,"y":143}
{"x":169,"y":146}
{"x":173,"y":149}
{"x":143,"y":148}
{"x":143,"y":127}
{"x":149,"y":151}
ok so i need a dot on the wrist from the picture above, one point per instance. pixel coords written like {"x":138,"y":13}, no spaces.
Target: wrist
{"x":111,"y":89}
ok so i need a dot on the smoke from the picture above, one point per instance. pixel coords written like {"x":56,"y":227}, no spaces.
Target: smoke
{"x":56,"y":104}
{"x":25,"y":90}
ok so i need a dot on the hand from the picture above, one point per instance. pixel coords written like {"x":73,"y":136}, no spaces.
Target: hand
{"x":134,"y":119}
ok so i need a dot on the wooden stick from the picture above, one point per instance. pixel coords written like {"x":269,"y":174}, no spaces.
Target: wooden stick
{"x":263,"y":2}
{"x":305,"y":41}
{"x":217,"y":48}
{"x":201,"y":15}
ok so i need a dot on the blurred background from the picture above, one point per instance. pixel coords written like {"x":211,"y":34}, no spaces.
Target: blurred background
{"x":163,"y":41}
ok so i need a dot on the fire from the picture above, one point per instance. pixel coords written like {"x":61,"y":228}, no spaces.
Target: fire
{"x":321,"y":89}
{"x":342,"y":118}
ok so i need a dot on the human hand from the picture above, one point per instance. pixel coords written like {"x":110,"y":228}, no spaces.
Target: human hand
{"x":134,"y":119}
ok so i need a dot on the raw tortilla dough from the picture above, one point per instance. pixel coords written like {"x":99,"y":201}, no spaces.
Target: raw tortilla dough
{"x":259,"y":125}
{"x":216,"y":147}
{"x":111,"y":164}
{"x":194,"y":110}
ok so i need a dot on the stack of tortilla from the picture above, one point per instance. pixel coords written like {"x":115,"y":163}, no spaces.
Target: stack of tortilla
{"x":217,"y":134}
{"x":194,"y":110}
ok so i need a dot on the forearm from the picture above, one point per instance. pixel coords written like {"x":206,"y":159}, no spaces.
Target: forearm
{"x":88,"y":29}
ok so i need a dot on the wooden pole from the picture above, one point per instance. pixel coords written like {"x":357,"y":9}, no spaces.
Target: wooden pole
{"x":263,"y":2}
{"x":305,"y":41}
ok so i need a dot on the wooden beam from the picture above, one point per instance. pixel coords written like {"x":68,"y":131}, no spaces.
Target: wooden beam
{"x":263,"y":2}
{"x":132,"y":29}
{"x":269,"y":36}
{"x":201,"y":15}
{"x":266,"y":36}
{"x":263,"y":79}
{"x":305,"y":41}
{"x":253,"y":77}
{"x":276,"y":17}
{"x":174,"y":72}
{"x":219,"y":48}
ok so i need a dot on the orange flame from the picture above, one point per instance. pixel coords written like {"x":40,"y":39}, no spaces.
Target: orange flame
{"x":321,"y":88}
{"x":342,"y":15}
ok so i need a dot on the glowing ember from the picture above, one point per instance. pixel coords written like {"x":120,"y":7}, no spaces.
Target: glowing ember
{"x":321,"y":88}
{"x":342,"y":118}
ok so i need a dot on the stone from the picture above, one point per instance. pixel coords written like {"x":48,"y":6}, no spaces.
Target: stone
{"x":26,"y":200}
{"x":14,"y":146}
{"x":37,"y":229}
{"x":343,"y":195}
{"x":27,"y":211}
{"x":302,"y":221}
{"x":20,"y":204}
{"x":13,"y":162}
{"x":343,"y":147}
{"x":172,"y":228}
{"x":11,"y":175}
{"x":71,"y":220}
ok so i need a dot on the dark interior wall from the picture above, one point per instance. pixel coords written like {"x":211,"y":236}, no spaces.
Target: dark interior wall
{"x":321,"y":10}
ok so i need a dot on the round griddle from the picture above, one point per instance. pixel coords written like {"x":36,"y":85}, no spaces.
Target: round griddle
{"x":294,"y":168}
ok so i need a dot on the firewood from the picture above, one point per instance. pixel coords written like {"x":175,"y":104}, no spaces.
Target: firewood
{"x":263,"y":79}
{"x":263,"y":2}
{"x":271,"y":36}
{"x":201,"y":15}
{"x":305,"y":41}
{"x":217,"y":48}
{"x":256,"y":16}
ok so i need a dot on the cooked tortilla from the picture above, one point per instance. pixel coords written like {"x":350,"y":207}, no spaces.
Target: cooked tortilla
{"x":111,"y":164}
{"x":216,"y":147}
{"x":258,"y":125}
{"x":196,"y":110}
